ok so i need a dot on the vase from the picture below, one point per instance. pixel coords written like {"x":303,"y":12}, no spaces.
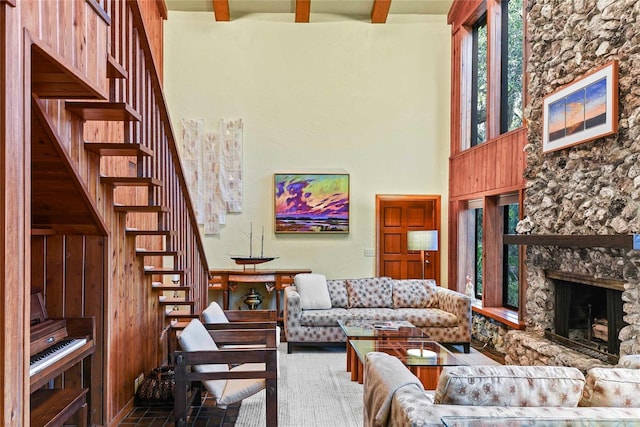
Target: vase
{"x":253,"y":299}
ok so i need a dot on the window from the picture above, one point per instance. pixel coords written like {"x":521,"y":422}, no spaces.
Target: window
{"x":479,"y":83}
{"x":478,"y":252}
{"x":510,"y":259}
{"x":512,"y":54}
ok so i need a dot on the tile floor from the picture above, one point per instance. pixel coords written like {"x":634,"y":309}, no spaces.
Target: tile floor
{"x":162,"y":415}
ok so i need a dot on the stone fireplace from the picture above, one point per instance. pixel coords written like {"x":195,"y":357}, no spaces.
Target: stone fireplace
{"x":589,"y":189}
{"x":587,"y":313}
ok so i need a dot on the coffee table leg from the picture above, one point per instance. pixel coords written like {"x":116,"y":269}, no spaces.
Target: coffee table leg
{"x":428,"y":375}
{"x":349,"y":356}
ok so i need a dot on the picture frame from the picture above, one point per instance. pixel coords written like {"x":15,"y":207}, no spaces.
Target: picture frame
{"x":583,"y":110}
{"x":311,"y":202}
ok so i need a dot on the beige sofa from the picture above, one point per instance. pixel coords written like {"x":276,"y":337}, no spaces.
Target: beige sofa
{"x":394,"y":397}
{"x":314,"y":305}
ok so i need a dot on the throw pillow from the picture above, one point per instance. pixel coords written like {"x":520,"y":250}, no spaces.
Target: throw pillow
{"x":314,"y":294}
{"x":414,"y":293}
{"x":338,"y":293}
{"x":195,"y":337}
{"x":373,"y":292}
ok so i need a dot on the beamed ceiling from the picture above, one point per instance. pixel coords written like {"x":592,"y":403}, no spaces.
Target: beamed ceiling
{"x":303,"y":10}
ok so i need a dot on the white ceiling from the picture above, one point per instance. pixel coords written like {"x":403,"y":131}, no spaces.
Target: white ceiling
{"x":239,"y":8}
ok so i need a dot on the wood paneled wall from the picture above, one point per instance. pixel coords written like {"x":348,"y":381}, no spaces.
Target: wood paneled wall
{"x":492,"y":168}
{"x":86,"y":275}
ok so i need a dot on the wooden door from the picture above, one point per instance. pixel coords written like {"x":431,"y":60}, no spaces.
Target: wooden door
{"x":395,"y":215}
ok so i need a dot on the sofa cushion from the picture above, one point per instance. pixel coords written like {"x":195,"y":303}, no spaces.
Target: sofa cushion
{"x":431,"y":317}
{"x":327,"y":317}
{"x":510,"y":386}
{"x":612,"y":387}
{"x":414,"y":293}
{"x":314,"y":294}
{"x":374,"y":314}
{"x":371,"y":292}
{"x":338,"y":293}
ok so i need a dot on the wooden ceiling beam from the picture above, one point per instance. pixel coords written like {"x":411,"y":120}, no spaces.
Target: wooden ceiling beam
{"x":303,"y":10}
{"x":380,"y":11}
{"x":221,"y":10}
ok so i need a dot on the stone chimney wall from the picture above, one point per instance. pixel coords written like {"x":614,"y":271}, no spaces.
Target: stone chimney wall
{"x":591,"y":188}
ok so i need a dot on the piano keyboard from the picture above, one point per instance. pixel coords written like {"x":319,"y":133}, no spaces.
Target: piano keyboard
{"x":45,"y":358}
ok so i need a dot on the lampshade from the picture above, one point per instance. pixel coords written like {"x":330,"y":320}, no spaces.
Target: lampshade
{"x":422,"y":240}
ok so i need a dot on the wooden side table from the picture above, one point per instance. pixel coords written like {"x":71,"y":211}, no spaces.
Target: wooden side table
{"x":227,"y":280}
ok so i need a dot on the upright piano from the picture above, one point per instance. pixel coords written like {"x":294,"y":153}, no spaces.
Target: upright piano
{"x":56,"y":346}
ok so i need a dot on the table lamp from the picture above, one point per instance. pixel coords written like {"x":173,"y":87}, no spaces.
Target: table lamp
{"x":422,"y":240}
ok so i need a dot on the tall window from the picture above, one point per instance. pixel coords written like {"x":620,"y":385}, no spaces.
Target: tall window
{"x":510,"y":259}
{"x":478,"y":251}
{"x":512,"y":55}
{"x":479,"y":83}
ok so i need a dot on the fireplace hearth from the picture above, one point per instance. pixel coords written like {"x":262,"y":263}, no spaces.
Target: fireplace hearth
{"x":588,"y":313}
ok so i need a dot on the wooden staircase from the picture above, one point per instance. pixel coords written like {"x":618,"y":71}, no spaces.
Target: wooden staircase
{"x":174,"y":299}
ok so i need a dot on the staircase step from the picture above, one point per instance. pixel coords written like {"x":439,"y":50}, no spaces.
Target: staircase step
{"x":136,"y":232}
{"x":141,"y":208}
{"x":180,"y":301}
{"x":104,"y":111}
{"x":158,"y":286}
{"x":144,"y":252}
{"x":162,"y":270}
{"x":181,"y":314}
{"x":131,"y":181}
{"x":115,"y":70}
{"x":118,"y":149}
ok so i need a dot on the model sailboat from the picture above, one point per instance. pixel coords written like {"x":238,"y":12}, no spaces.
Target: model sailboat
{"x":253,"y":260}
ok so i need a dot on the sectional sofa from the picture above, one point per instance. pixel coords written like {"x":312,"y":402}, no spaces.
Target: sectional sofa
{"x":314,"y":305}
{"x":493,"y":395}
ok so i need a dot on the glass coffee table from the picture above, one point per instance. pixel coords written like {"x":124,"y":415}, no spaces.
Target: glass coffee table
{"x":356,"y":330}
{"x":424,"y":358}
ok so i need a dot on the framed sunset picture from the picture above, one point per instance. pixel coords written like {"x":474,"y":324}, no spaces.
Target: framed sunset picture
{"x":311,"y":203}
{"x":584,"y":110}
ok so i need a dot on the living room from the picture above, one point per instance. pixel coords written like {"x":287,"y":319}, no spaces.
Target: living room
{"x":386,"y":104}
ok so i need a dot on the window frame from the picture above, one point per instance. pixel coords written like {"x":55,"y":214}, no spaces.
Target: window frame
{"x":504,"y":67}
{"x":473,"y":131}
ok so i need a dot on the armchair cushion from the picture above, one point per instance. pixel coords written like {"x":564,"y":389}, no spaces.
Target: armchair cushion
{"x":237,"y":390}
{"x":374,"y":292}
{"x":508,"y":385}
{"x":196,"y":338}
{"x":313,"y":291}
{"x":214,"y":314}
{"x":414,"y":293}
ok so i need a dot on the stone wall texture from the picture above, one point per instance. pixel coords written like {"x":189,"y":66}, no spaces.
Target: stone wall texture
{"x":594,"y":187}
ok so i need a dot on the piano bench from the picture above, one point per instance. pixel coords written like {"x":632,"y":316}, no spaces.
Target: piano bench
{"x":52,"y":408}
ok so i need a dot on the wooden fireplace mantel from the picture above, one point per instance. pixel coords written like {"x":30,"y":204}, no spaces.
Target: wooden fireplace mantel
{"x":614,"y":241}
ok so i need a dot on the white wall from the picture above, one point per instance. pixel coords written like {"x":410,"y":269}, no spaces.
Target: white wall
{"x":333,"y":94}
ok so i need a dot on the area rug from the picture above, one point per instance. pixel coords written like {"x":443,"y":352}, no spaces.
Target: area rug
{"x":315,"y":390}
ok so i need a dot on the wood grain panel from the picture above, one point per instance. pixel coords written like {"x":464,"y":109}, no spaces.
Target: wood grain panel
{"x":491,"y":167}
{"x":391,"y":244}
{"x":392,"y":217}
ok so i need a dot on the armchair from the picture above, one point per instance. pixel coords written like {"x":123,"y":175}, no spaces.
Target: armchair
{"x":202,"y":362}
{"x":240,"y":319}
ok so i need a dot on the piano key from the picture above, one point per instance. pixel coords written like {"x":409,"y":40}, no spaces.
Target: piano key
{"x":48,"y":357}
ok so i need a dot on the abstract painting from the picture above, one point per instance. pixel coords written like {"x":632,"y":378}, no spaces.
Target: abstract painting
{"x":311,"y":203}
{"x":583,"y":110}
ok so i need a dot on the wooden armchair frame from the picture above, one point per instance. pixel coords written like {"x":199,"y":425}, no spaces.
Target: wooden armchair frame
{"x":188,"y":386}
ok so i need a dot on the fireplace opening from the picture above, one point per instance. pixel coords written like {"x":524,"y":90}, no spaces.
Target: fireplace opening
{"x":588,"y":312}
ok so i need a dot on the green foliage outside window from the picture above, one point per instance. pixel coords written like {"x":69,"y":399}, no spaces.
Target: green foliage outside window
{"x":511,"y":261}
{"x":512,"y":60}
